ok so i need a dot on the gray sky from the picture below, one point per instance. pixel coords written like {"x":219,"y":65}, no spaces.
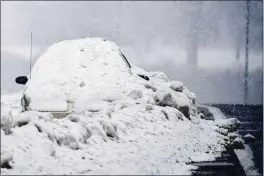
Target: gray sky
{"x":150,"y":33}
{"x":126,"y":23}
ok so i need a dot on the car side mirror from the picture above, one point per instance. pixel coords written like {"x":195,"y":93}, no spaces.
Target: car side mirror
{"x":144,"y":77}
{"x":21,"y":80}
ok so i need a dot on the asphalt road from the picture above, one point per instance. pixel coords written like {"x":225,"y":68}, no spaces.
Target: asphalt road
{"x":251,"y":118}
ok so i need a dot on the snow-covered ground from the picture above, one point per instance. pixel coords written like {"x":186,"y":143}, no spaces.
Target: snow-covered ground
{"x":145,"y":142}
{"x":123,"y":124}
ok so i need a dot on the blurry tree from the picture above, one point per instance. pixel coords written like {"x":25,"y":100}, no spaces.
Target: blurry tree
{"x":235,"y":17}
{"x":205,"y":25}
{"x":201,"y":27}
{"x":195,"y":25}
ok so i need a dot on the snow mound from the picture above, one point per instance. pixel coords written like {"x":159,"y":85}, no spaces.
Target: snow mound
{"x":72,"y":68}
{"x":122,"y":123}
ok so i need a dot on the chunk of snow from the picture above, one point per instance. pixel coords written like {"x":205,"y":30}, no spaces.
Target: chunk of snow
{"x":178,"y":101}
{"x":176,"y":86}
{"x":205,"y":113}
{"x":109,"y":128}
{"x":230,"y":124}
{"x":135,"y":94}
{"x":222,"y":131}
{"x":232,"y":136}
{"x":249,"y":138}
{"x":148,"y":86}
{"x":237,"y":143}
{"x":159,"y":76}
{"x":164,"y":98}
{"x":172,"y":113}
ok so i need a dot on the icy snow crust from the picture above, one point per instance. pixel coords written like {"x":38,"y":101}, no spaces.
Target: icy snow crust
{"x":123,"y":124}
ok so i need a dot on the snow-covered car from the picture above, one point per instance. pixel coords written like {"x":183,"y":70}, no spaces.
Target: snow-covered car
{"x":71,"y":69}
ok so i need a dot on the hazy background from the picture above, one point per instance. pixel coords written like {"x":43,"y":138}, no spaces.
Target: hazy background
{"x":200,"y":43}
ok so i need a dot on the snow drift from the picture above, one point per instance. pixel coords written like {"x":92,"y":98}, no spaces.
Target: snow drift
{"x":122,"y":124}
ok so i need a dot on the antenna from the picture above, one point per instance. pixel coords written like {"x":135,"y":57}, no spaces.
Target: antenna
{"x":30,"y":54}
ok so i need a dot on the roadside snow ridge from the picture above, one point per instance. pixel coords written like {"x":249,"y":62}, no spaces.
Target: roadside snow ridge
{"x":123,"y":124}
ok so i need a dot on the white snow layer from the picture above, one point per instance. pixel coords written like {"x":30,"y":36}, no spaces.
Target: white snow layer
{"x":122,"y":124}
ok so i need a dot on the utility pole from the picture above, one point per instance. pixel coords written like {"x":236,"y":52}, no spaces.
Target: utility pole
{"x":30,"y":55}
{"x":246,"y":53}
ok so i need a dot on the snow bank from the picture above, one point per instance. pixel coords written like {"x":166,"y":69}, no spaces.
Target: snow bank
{"x":123,"y":123}
{"x":132,"y":141}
